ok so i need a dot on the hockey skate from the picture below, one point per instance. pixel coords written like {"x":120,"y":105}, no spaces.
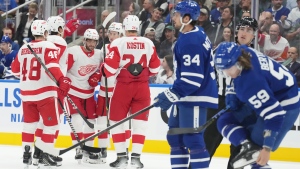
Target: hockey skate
{"x":58,"y":160}
{"x":136,"y":161}
{"x":98,"y":158}
{"x":27,"y":160}
{"x":248,"y":155}
{"x":47,"y":162}
{"x":37,"y":156}
{"x":79,"y":155}
{"x":121,"y":162}
{"x":86,"y":156}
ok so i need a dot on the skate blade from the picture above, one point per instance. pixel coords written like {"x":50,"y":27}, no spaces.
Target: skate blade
{"x":26,"y":166}
{"x":98,"y":161}
{"x":85,"y":160}
{"x":58,"y":164}
{"x":46,"y":167}
{"x":242,"y":162}
{"x":124,"y":166}
{"x":35,"y":161}
{"x":135,"y":167}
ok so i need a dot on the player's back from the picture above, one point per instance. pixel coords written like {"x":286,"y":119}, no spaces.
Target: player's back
{"x":63,"y":51}
{"x":194,"y":67}
{"x":266,"y":74}
{"x":35,"y":84}
{"x":133,"y":50}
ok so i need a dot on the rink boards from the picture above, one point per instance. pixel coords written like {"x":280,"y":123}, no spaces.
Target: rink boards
{"x":11,"y":127}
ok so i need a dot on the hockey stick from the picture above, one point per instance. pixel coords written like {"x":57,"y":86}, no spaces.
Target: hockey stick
{"x":287,"y":62}
{"x":57,"y":152}
{"x":175,"y":131}
{"x":105,"y":22}
{"x":91,"y":125}
{"x":83,"y":146}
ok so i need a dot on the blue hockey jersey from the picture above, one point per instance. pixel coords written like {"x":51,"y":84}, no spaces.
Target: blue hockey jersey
{"x":268,"y":88}
{"x":195,"y":77}
{"x":7,"y":59}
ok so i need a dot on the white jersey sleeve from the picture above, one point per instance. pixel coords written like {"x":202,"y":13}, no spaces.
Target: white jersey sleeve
{"x":63,"y":52}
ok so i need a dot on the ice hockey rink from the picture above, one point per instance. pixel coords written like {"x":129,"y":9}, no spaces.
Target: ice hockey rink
{"x":11,"y":128}
{"x":11,"y":158}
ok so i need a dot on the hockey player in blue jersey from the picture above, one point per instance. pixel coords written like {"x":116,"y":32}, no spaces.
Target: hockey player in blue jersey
{"x":264,"y":103}
{"x":193,"y":91}
{"x":7,"y":55}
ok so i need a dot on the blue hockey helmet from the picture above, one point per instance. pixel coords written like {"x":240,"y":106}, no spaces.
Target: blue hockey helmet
{"x":6,"y":39}
{"x":188,"y":7}
{"x":227,"y":55}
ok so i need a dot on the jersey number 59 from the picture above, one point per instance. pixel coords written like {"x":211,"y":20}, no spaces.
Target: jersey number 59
{"x":261,"y":97}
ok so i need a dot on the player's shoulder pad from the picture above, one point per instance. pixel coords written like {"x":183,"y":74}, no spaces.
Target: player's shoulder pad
{"x":49,"y":45}
{"x":116,"y":42}
{"x":57,"y":40}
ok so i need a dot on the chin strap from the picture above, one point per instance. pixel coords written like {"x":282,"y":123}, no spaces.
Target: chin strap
{"x":184,"y":24}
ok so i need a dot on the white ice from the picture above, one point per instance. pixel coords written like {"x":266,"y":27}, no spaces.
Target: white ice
{"x":11,"y":158}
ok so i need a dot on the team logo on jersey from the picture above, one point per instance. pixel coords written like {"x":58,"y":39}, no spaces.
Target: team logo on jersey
{"x":84,"y":70}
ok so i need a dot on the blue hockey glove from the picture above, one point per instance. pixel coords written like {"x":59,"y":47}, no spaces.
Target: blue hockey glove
{"x":166,"y":99}
{"x":231,"y":99}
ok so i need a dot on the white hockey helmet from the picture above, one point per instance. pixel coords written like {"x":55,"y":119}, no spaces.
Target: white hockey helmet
{"x":91,"y":34}
{"x":38,"y":27}
{"x":131,"y":22}
{"x":116,"y":26}
{"x":55,"y":22}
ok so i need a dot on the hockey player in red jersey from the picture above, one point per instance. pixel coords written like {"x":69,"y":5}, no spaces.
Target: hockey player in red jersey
{"x":38,"y":91}
{"x":132,"y":60}
{"x":115,"y":31}
{"x":83,"y":63}
{"x":56,"y":25}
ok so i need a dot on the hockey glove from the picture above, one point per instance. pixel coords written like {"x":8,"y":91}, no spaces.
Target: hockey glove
{"x":71,"y":27}
{"x":94,"y":79}
{"x":64,"y":85}
{"x":165,"y":99}
{"x":231,"y":99}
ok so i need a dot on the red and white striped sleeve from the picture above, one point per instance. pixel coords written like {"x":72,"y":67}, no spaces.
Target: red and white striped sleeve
{"x":154,"y":63}
{"x":112,"y":61}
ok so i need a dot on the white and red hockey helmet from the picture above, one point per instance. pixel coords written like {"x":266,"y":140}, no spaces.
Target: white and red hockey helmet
{"x":55,"y":22}
{"x":38,"y":27}
{"x":116,"y":26}
{"x":91,"y":34}
{"x":131,"y":22}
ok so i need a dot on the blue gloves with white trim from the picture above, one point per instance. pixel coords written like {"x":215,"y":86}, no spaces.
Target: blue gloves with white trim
{"x":165,"y":99}
{"x":231,"y":99}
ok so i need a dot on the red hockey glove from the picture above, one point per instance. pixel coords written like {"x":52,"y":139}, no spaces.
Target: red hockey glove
{"x":64,"y":85}
{"x":94,"y":79}
{"x":71,"y":27}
